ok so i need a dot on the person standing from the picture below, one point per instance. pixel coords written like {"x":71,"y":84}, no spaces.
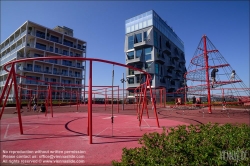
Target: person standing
{"x":232,"y":78}
{"x":213,"y":76}
{"x":224,"y":104}
{"x":194,"y":100}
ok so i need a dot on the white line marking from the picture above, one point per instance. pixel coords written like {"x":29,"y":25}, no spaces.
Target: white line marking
{"x":23,"y":131}
{"x":146,"y":122}
{"x":109,"y":117}
{"x":100,"y":132}
{"x":5,"y":135}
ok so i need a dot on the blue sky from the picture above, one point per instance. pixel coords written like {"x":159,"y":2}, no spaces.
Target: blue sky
{"x":102,"y":25}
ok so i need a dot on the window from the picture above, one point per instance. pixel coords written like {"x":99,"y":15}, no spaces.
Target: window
{"x":138,"y":53}
{"x":51,"y":49}
{"x":46,"y":69}
{"x":56,"y":50}
{"x":145,"y":36}
{"x":130,"y":72}
{"x":29,"y":66}
{"x":54,"y":70}
{"x":54,"y":38}
{"x":148,"y":53}
{"x":37,"y":68}
{"x":67,"y":63}
{"x":148,"y":65}
{"x":40,"y":34}
{"x":155,"y":39}
{"x":130,"y":55}
{"x":38,"y":55}
{"x":131,"y":80}
{"x":64,"y":72}
{"x":138,"y":38}
{"x":53,"y":61}
{"x":139,"y":79}
{"x":67,"y":43}
{"x":41,"y":46}
{"x":53,"y":80}
{"x":156,"y":68}
{"x":65,"y":52}
{"x":160,"y":42}
{"x":130,"y":42}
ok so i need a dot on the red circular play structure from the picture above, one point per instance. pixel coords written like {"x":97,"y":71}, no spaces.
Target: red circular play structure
{"x":144,"y":88}
{"x":205,"y":59}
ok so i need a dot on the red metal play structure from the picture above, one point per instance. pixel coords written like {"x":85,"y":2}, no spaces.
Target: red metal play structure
{"x":227,"y":86}
{"x":11,"y":81}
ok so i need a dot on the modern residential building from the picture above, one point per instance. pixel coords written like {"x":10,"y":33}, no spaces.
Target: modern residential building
{"x":34,"y":40}
{"x":152,"y":45}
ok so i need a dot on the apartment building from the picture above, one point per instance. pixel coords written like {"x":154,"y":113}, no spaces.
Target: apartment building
{"x":152,"y":45}
{"x":34,"y":40}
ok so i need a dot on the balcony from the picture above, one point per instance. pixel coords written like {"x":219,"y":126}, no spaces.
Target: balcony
{"x":142,"y":44}
{"x":160,"y":58}
{"x":47,"y":72}
{"x":27,"y":69}
{"x":177,"y":77}
{"x":167,"y":51}
{"x":168,"y":74}
{"x":170,"y":64}
{"x":139,"y":59}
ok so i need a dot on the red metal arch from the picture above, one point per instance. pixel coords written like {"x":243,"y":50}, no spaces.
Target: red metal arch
{"x":13,"y":74}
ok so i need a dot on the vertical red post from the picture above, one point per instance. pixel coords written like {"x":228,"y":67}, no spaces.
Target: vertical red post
{"x":17,"y":98}
{"x":51,"y":106}
{"x":77,"y":101}
{"x":105,"y":97}
{"x":207,"y":74}
{"x":90,"y":102}
{"x":6,"y":98}
{"x":20,"y":95}
{"x":118,"y":99}
{"x":161,"y":96}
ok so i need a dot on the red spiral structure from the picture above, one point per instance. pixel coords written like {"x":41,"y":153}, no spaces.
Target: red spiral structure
{"x":206,"y":58}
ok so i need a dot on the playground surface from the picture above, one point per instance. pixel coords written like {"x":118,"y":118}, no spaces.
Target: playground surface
{"x":63,"y":140}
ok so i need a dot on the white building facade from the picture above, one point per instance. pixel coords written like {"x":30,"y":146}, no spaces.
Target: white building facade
{"x":34,"y":40}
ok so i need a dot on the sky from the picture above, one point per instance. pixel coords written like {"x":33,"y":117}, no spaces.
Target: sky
{"x":102,"y":25}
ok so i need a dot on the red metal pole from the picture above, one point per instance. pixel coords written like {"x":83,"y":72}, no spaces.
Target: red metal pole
{"x":6,"y":85}
{"x":17,"y":99}
{"x":6,"y":98}
{"x":90,"y":102}
{"x":161,"y":96}
{"x":118,"y":99}
{"x":46,"y":102}
{"x":207,"y":74}
{"x":77,"y":100}
{"x":143,"y":104}
{"x":30,"y":99}
{"x":105,"y":98}
{"x":164,"y":93}
{"x":51,"y":106}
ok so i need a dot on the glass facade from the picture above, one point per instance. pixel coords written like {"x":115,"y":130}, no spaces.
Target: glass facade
{"x":141,"y":21}
{"x":151,"y":18}
{"x":130,"y":55}
{"x":148,"y":53}
{"x":130,"y":42}
{"x":138,"y":53}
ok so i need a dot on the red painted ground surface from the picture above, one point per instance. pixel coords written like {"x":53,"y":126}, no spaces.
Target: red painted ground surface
{"x":63,"y":138}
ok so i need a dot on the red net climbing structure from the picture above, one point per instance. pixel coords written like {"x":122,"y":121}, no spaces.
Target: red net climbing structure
{"x":226,"y":86}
